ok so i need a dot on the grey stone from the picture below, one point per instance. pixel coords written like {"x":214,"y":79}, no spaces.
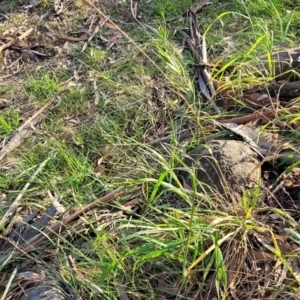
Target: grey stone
{"x":223,"y":167}
{"x":48,"y":289}
{"x":45,"y":291}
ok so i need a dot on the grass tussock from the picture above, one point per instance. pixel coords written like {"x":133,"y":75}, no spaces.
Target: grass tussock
{"x":158,"y":240}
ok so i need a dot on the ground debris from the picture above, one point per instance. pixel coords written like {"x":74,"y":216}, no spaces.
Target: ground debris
{"x":227,"y":166}
{"x":292,"y":179}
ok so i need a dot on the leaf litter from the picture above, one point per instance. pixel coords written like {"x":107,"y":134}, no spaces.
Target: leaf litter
{"x":268,"y":254}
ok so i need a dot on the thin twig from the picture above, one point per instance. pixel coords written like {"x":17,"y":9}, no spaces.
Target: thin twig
{"x":133,"y":8}
{"x":9,"y":283}
{"x":203,"y":76}
{"x":199,"y":6}
{"x":41,"y":110}
{"x":22,"y":132}
{"x":258,"y":115}
{"x":201,"y":59}
{"x":14,"y":206}
{"x":16,"y":40}
{"x":59,"y":227}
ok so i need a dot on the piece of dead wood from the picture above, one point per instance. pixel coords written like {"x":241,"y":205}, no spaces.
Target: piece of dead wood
{"x":199,"y":6}
{"x":197,"y":45}
{"x":70,"y":39}
{"x":14,"y":206}
{"x":195,"y":9}
{"x":24,"y":130}
{"x":16,"y":40}
{"x":71,"y":262}
{"x":263,"y":114}
{"x":16,"y":232}
{"x":13,"y":143}
{"x":203,"y":76}
{"x":60,"y":226}
{"x":37,"y":226}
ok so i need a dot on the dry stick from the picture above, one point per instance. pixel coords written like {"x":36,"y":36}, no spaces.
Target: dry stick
{"x":199,"y":6}
{"x":12,"y":209}
{"x":16,"y":40}
{"x":133,"y":7}
{"x":250,"y":118}
{"x":194,"y":9}
{"x":21,"y":133}
{"x":201,"y":57}
{"x":207,"y":74}
{"x":203,"y":76}
{"x":17,"y":231}
{"x":60,"y":226}
{"x":267,"y":114}
{"x":69,"y":38}
{"x":261,"y":114}
{"x":14,"y":141}
{"x":41,"y":110}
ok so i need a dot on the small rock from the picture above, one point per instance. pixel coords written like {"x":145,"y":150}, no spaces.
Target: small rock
{"x":227,"y":167}
{"x":45,"y":291}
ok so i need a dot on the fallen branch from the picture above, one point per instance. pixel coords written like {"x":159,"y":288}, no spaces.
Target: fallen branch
{"x":59,"y":227}
{"x":199,"y":6}
{"x":200,"y":53}
{"x":15,"y":40}
{"x":261,"y":114}
{"x":258,"y":115}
